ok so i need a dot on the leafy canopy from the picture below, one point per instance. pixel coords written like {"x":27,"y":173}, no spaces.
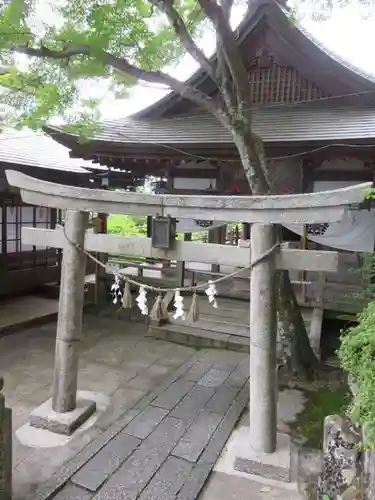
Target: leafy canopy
{"x":52,"y":52}
{"x":59,"y":58}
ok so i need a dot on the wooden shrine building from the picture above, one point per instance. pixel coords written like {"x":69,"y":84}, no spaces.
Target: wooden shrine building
{"x":315,"y":114}
{"x":22,"y":266}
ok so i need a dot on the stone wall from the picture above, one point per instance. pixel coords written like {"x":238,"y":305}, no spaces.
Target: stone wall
{"x":339,"y":479}
{"x":368,"y":474}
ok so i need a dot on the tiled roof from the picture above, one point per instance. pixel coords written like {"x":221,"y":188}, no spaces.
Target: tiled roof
{"x":29,"y":148}
{"x":279,"y":17}
{"x":273,"y":125}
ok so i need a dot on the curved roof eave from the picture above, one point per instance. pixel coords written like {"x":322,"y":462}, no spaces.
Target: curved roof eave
{"x":277,"y":15}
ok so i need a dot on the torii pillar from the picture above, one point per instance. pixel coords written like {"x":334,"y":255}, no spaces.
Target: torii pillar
{"x":263,"y":338}
{"x":63,"y":414}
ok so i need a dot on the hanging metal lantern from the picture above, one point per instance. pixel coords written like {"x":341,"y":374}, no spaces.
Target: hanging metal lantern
{"x":163,"y":232}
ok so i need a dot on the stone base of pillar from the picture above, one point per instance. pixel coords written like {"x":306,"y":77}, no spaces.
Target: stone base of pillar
{"x":44,"y":417}
{"x":274,"y":466}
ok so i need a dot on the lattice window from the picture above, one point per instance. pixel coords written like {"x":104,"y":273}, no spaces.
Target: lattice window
{"x":13,"y":243}
{"x":43,"y":218}
{"x":271,"y":82}
{"x":24,"y":216}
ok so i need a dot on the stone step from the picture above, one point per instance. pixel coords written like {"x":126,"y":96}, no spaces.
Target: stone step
{"x":226,"y":303}
{"x":222,"y":313}
{"x":213,"y":324}
{"x":226,"y":327}
{"x":196,"y":337}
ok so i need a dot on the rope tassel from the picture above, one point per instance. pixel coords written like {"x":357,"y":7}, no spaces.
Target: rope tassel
{"x":194,"y":309}
{"x":159,"y":311}
{"x":178,"y":305}
{"x":127,"y":299}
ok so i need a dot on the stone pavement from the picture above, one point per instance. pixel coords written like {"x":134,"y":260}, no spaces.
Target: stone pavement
{"x":166,"y":413}
{"x":222,"y":486}
{"x":165,"y":447}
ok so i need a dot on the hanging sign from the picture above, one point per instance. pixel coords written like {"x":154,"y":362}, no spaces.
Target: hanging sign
{"x":194,"y":225}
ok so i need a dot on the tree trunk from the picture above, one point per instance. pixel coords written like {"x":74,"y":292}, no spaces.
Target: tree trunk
{"x":301,"y":358}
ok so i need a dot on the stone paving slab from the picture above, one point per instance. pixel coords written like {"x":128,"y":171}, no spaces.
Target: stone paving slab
{"x":167,"y":446}
{"x":222,"y":400}
{"x":73,"y":492}
{"x":145,"y":422}
{"x":195,"y":482}
{"x":222,"y":433}
{"x":196,"y":438}
{"x":194,"y":401}
{"x":239,"y":376}
{"x":198,"y":370}
{"x":168,"y":481}
{"x":214,"y":377}
{"x":173,"y":395}
{"x":135,"y":474}
{"x":93,"y":474}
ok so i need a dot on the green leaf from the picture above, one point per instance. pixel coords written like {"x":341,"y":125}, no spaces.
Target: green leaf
{"x":52,"y":88}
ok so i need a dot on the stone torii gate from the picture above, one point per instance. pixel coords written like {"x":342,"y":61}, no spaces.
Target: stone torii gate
{"x":63,"y":413}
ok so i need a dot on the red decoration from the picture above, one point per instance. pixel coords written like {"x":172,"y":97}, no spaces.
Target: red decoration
{"x":234,"y":188}
{"x":285,"y":190}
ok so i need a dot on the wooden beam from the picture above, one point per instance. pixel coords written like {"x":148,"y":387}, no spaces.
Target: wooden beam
{"x":310,"y":260}
{"x":327,"y":206}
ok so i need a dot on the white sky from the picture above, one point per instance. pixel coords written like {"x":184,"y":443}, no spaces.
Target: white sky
{"x":348,"y":33}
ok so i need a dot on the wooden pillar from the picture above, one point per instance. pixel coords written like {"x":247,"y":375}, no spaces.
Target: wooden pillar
{"x":69,"y":324}
{"x":215,"y":236}
{"x":245,"y":231}
{"x":149,"y":226}
{"x":263,"y":383}
{"x":180,"y":266}
{"x":100,"y":271}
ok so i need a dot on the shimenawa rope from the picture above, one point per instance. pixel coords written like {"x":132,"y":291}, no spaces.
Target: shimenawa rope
{"x":159,"y":311}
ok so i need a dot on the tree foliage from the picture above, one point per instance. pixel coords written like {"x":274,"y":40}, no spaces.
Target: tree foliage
{"x":126,"y":225}
{"x":105,"y":42}
{"x":357,"y":356}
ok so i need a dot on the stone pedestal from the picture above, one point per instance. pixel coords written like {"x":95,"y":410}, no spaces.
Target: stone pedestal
{"x":274,"y":467}
{"x":5,"y":448}
{"x":44,"y":417}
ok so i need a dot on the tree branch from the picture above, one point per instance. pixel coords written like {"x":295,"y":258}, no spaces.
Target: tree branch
{"x":233,"y":56}
{"x":208,"y":103}
{"x":222,"y":70}
{"x":43,"y":52}
{"x":186,"y":40}
{"x":123,"y":65}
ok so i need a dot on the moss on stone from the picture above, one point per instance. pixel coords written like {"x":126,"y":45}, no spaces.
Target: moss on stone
{"x":319,"y":404}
